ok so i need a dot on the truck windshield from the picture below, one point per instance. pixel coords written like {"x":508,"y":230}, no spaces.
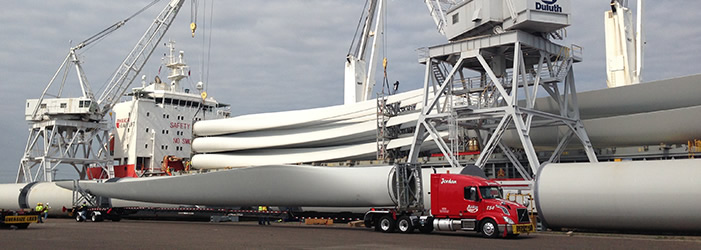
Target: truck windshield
{"x":491,"y":192}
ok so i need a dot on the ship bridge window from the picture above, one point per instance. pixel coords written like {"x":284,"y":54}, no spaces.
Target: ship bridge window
{"x":456,"y":18}
{"x":63,"y":105}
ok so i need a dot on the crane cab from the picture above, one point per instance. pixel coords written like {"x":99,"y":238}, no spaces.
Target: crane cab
{"x":59,"y":107}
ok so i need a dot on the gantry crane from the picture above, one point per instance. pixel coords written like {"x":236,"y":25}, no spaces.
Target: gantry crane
{"x":73,"y":130}
{"x":485,"y":80}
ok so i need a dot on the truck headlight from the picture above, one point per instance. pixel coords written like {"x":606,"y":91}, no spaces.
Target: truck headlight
{"x":508,"y":220}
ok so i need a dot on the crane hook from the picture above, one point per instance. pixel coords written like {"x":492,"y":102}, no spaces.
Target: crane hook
{"x":193,"y":27}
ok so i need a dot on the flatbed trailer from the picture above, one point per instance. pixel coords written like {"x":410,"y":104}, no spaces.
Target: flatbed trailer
{"x":96,"y":214}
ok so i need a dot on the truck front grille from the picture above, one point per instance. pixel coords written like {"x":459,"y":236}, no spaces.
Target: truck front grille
{"x":522,"y":215}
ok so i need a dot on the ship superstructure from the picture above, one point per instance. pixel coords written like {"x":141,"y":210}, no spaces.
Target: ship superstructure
{"x":153,"y":130}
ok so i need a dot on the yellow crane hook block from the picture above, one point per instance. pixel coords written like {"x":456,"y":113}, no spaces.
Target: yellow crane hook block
{"x":193,"y":27}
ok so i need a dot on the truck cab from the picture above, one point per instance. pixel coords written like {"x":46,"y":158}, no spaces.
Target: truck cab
{"x":458,"y":202}
{"x":473,"y":203}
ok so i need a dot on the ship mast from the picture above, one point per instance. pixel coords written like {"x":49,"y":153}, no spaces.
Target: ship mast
{"x":176,"y":64}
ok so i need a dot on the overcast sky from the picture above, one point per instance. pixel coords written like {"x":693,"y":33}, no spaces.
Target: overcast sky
{"x":279,"y":55}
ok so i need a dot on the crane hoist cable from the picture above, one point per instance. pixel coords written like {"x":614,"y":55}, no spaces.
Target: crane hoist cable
{"x":109,"y":30}
{"x":193,"y":16}
{"x":357,"y":28}
{"x":385,"y":81}
{"x":112,"y":28}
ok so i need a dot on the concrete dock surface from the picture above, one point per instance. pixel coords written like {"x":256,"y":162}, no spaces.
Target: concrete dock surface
{"x":149,"y":234}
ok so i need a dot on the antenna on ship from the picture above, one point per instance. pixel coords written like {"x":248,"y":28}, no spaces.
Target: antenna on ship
{"x":176,"y":64}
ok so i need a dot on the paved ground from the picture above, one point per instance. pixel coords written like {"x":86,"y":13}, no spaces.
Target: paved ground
{"x":136,"y":234}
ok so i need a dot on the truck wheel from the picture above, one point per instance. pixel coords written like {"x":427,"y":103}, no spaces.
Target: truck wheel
{"x":404,"y":225}
{"x":95,"y":217}
{"x":387,"y":224}
{"x":427,"y":228}
{"x":489,"y":228}
{"x":78,"y":218}
{"x":23,"y":226}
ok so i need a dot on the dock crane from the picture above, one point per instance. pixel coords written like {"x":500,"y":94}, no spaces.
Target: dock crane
{"x":73,"y":131}
{"x":359,"y":77}
{"x":624,"y":44}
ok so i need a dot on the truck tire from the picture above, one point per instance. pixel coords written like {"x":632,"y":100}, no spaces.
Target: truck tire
{"x":95,"y":217}
{"x":404,"y":225}
{"x":489,"y":228}
{"x":78,"y":218}
{"x":23,"y":226}
{"x":387,"y":224}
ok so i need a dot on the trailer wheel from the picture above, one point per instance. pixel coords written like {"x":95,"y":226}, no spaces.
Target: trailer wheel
{"x":404,"y":225}
{"x":387,"y":224}
{"x":95,"y":217}
{"x":489,"y":228}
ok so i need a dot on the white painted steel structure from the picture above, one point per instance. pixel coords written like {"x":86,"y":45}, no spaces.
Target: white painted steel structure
{"x":76,"y":134}
{"x":359,"y":77}
{"x":489,"y":103}
{"x":624,"y":44}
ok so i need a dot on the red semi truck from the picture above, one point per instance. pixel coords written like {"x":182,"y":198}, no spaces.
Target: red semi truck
{"x":458,"y":202}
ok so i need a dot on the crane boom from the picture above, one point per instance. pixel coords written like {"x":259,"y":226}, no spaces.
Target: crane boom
{"x":624,"y":44}
{"x":131,"y":66}
{"x":73,"y":131}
